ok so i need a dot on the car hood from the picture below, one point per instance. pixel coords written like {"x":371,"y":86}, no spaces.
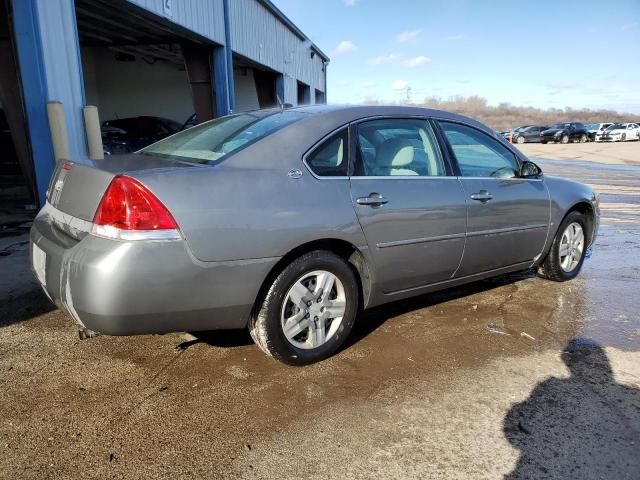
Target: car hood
{"x":552,"y":131}
{"x":614,"y":132}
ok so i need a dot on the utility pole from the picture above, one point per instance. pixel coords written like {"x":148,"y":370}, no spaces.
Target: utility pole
{"x":408,"y":97}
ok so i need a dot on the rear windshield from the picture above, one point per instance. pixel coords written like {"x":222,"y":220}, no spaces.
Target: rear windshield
{"x":210,"y":142}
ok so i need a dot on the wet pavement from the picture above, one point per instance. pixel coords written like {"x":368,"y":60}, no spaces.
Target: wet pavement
{"x":471,"y":382}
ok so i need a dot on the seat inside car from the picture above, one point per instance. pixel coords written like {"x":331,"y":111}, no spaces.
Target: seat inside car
{"x":394,"y":157}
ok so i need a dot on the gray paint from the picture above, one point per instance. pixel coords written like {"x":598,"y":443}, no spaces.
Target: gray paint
{"x":241,"y":216}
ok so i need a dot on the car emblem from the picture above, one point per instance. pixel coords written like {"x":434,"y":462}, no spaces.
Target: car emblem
{"x":295,"y":173}
{"x":58,"y":186}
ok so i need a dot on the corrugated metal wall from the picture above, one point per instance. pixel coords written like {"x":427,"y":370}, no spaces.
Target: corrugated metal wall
{"x":204,"y":17}
{"x":258,"y":34}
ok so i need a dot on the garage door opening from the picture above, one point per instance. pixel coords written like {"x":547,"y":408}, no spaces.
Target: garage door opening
{"x":320,"y":97}
{"x":254,"y":85}
{"x":17,"y":177}
{"x":147,"y":79}
{"x":304,"y":94}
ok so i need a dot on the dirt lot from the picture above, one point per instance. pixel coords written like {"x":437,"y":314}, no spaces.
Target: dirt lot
{"x":609,"y":153}
{"x":513,"y":376}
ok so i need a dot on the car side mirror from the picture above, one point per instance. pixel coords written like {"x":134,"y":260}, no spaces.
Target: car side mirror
{"x":530,"y":170}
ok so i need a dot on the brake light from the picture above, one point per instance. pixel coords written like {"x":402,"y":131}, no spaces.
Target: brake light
{"x":128,"y":208}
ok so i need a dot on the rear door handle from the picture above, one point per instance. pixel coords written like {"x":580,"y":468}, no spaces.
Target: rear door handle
{"x":482,"y":196}
{"x":373,"y":200}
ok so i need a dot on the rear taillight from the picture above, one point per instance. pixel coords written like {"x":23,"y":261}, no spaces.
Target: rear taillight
{"x":129,"y":211}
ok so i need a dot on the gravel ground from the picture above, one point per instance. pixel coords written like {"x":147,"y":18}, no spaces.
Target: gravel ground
{"x":514,"y":376}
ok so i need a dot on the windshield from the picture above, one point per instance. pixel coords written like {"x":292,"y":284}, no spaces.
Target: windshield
{"x":592,"y":126}
{"x":211,"y":141}
{"x":615,"y":126}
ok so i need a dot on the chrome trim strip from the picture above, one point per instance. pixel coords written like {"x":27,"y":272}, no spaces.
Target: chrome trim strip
{"x":114,"y":233}
{"x":412,"y":241}
{"x":498,"y":231}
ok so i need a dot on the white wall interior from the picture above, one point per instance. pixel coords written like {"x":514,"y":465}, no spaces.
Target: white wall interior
{"x":245,"y":89}
{"x":130,"y":89}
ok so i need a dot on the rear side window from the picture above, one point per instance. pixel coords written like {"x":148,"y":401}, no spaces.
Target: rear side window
{"x":478,"y":154}
{"x":213,"y":141}
{"x":329,"y":159}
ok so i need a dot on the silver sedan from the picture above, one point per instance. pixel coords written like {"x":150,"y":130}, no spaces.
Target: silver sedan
{"x":290,"y":222}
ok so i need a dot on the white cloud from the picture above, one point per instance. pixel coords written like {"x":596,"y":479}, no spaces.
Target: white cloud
{"x":455,"y":38}
{"x":349,"y":3}
{"x":399,"y":85}
{"x":408,"y":36}
{"x":418,"y":61}
{"x":345,"y":46}
{"x":382,"y":59}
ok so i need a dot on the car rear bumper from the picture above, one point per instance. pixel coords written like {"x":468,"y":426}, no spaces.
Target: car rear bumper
{"x":124,"y":288}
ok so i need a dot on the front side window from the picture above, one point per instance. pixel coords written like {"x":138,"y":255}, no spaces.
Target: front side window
{"x":212,"y":141}
{"x":329,"y":159}
{"x":478,"y":154}
{"x":397,"y":147}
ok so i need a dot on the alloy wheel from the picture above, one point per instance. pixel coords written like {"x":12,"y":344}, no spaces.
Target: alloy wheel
{"x":571,"y":247}
{"x":313,"y":309}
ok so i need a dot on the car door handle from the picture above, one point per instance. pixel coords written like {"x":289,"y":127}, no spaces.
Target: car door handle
{"x":373,"y":200}
{"x":482,"y":196}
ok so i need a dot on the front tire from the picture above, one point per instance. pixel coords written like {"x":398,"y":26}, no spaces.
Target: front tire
{"x":520,"y":140}
{"x":309,"y":309}
{"x":583,"y":138}
{"x":564,"y":139}
{"x":566,"y":256}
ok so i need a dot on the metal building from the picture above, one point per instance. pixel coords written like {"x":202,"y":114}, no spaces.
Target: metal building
{"x":130,"y":58}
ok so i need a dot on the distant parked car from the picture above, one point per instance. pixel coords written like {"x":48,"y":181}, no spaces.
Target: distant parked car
{"x":512,"y":131}
{"x":529,"y":134}
{"x":596,"y":128}
{"x":620,"y":132}
{"x":132,"y":134}
{"x":565,"y":132}
{"x":289,"y":222}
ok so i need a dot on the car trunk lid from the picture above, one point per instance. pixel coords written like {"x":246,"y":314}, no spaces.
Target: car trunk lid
{"x":76,"y":189}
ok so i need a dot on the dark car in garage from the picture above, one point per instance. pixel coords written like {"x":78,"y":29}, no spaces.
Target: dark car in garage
{"x":126,"y":135}
{"x":530,"y":134}
{"x":565,"y":133}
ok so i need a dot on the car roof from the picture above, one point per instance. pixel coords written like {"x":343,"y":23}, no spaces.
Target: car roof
{"x":342,"y":114}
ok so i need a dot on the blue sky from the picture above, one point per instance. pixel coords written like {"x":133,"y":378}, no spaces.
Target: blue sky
{"x":539,"y":53}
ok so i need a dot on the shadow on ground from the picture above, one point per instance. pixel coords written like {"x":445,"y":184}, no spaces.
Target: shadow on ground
{"x":25,"y":307}
{"x":370,"y":320}
{"x":584,"y":426}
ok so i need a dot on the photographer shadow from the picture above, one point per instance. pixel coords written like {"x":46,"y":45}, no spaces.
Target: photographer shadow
{"x":585,"y":426}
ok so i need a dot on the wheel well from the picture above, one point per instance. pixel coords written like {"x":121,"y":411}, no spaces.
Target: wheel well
{"x":349,"y":252}
{"x":587,"y":210}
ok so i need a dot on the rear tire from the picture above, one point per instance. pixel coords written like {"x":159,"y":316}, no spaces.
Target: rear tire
{"x":566,"y":256}
{"x":583,"y":138}
{"x":564,"y":139}
{"x":309,"y":309}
